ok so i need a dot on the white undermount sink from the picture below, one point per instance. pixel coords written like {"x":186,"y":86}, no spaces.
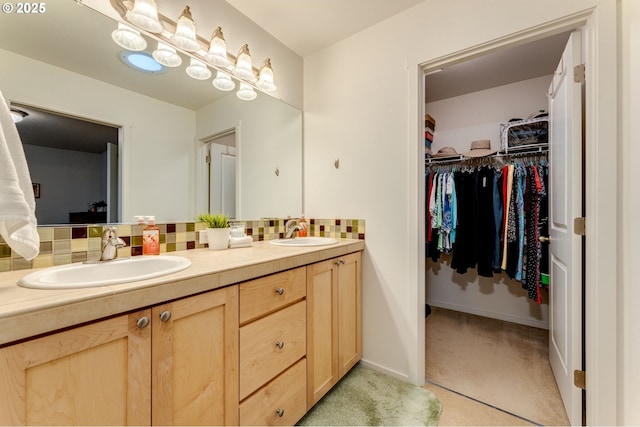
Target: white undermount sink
{"x":88,"y":275}
{"x":304,"y":241}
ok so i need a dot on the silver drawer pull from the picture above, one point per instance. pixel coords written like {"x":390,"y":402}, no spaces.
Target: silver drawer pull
{"x":279,"y":291}
{"x":280,"y":344}
{"x":280,"y":412}
{"x":165,"y":316}
{"x":143,"y":322}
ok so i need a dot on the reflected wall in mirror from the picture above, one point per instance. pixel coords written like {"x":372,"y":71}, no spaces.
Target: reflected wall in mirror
{"x":75,"y":164}
{"x":66,"y":62}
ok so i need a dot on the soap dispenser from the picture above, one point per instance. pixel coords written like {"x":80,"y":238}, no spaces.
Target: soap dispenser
{"x":151,"y":238}
{"x":302,"y":231}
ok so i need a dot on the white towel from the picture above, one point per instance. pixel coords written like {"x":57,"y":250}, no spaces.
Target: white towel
{"x":240,"y":242}
{"x":18,"y":224}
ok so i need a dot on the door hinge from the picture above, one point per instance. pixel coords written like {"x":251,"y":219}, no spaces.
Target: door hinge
{"x":580,"y":379}
{"x":208,"y":158}
{"x":579,"y":226}
{"x":579,"y":75}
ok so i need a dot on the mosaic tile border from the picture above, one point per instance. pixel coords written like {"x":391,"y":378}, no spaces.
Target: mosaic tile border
{"x":77,"y":243}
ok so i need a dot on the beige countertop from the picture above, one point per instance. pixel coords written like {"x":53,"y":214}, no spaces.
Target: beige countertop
{"x":27,"y":312}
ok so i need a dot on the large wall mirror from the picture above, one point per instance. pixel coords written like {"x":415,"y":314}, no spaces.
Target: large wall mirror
{"x":162,"y":127}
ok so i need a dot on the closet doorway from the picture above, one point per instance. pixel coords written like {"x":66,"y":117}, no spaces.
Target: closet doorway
{"x":501,"y":298}
{"x":220,"y":155}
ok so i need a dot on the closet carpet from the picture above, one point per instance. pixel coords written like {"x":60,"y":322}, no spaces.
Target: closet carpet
{"x":501,"y":364}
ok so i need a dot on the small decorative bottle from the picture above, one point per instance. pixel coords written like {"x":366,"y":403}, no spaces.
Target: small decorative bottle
{"x":151,"y":238}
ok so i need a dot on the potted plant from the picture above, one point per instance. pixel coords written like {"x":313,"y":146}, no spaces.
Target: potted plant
{"x":217,"y":230}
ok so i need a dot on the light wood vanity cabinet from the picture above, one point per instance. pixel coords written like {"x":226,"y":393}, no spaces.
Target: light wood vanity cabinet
{"x":173,"y":364}
{"x":195,"y":360}
{"x":261,"y":352}
{"x":273,"y":345}
{"x":97,"y":374}
{"x":334,"y":325}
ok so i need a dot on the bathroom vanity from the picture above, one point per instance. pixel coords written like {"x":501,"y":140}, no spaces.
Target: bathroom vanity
{"x":250,"y":336}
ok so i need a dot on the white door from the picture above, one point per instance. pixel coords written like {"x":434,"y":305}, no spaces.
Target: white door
{"x":565,"y":251}
{"x":229,"y":185}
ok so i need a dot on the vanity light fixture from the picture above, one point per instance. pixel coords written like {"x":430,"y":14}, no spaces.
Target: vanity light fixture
{"x":265,"y":78}
{"x":185,"y":35}
{"x":18,"y":115}
{"x":246,"y":92}
{"x":244,"y":67}
{"x":145,"y":15}
{"x":166,"y":55}
{"x":217,"y":54}
{"x":223,"y":82}
{"x":198,"y":70}
{"x":128,"y":38}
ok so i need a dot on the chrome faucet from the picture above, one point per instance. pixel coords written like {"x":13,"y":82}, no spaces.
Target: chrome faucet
{"x":291,"y":226}
{"x":110,"y":244}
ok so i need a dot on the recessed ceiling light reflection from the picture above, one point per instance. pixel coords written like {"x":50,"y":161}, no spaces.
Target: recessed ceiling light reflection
{"x":142,"y":61}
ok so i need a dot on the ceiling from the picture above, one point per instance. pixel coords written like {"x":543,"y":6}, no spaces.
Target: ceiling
{"x":306,"y":26}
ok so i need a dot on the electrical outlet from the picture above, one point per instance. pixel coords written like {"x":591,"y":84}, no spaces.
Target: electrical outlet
{"x":202,"y":237}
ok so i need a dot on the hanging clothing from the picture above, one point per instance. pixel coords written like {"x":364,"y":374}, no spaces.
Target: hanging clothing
{"x":491,"y":220}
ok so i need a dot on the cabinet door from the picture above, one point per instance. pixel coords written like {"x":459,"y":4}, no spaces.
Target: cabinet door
{"x":322,"y":329}
{"x":349,"y":312}
{"x":195,"y":360}
{"x":98,"y":374}
{"x":334,"y":325}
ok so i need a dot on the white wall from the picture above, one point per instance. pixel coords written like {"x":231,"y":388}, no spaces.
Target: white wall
{"x":459,"y":121}
{"x":478,"y":115}
{"x":361,"y":105}
{"x":268,"y":136}
{"x":69,"y":181}
{"x":628,"y":226}
{"x":158,"y":137}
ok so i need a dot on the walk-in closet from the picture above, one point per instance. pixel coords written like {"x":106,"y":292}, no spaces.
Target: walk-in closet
{"x":489,"y":154}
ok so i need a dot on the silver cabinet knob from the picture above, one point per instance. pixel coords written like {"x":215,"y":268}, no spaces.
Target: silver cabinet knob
{"x":279,"y":291}
{"x":143,"y":322}
{"x":280,"y":344}
{"x":280,"y":412}
{"x":165,"y":316}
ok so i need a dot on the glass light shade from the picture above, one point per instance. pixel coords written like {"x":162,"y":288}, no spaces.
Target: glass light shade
{"x":145,"y":15}
{"x":198,"y":70}
{"x":244,"y":67}
{"x":185,"y":35}
{"x":223,"y":81}
{"x":265,"y":80}
{"x":166,"y":55}
{"x":217,"y":54}
{"x":246,"y":92}
{"x":128,"y":38}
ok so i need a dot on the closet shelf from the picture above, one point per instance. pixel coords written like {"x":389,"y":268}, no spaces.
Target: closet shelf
{"x":524,"y":150}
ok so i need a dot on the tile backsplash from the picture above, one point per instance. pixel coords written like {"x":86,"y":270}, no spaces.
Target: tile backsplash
{"x":66,"y":244}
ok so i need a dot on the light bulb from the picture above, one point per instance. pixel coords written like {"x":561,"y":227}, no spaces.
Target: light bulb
{"x":128,"y":38}
{"x":244,"y":67}
{"x":185,"y":35}
{"x":145,"y":15}
{"x":265,"y":80}
{"x":246,"y":92}
{"x":223,"y":81}
{"x":166,"y":55}
{"x":217,"y":54}
{"x":198,"y":70}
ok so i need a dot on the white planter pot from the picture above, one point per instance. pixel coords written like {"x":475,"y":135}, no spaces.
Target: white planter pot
{"x":218,"y":238}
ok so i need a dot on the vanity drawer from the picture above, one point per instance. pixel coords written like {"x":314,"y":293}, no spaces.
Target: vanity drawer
{"x":267,"y":294}
{"x":283,"y":401}
{"x":270,"y":345}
